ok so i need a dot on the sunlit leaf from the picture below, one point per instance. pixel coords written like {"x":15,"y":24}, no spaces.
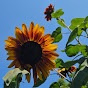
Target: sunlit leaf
{"x":57,"y":35}
{"x":39,"y":82}
{"x":79,"y":32}
{"x":57,"y":13}
{"x":72,"y":35}
{"x":13,"y":73}
{"x":72,"y":50}
{"x":60,"y":23}
{"x":76,"y":22}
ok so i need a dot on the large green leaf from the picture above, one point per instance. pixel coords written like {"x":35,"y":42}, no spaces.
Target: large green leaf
{"x":84,"y":50}
{"x":13,"y":73}
{"x":59,"y":63}
{"x":76,"y":22}
{"x":81,"y":76}
{"x":57,"y":13}
{"x":39,"y":82}
{"x":72,"y":50}
{"x":61,"y":23}
{"x":72,"y":35}
{"x":57,"y":35}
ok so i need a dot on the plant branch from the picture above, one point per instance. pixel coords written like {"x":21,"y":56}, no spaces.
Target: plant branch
{"x":76,"y":56}
{"x":69,"y":29}
{"x":62,"y":75}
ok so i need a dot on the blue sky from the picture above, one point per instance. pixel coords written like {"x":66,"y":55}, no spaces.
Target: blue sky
{"x":15,"y":12}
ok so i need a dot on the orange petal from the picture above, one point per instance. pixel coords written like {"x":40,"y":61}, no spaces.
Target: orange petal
{"x":31,"y":31}
{"x":45,"y":43}
{"x":34,"y":74}
{"x":25,"y":31}
{"x":11,"y":38}
{"x":11,"y":58}
{"x":51,"y":53}
{"x":28,"y":76}
{"x":44,"y":38}
{"x":38,"y":73}
{"x":11,"y":43}
{"x":35,"y":30}
{"x":19,"y":35}
{"x":12,"y":64}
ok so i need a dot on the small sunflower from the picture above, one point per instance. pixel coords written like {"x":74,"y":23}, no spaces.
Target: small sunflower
{"x":31,"y":50}
{"x":48,"y":12}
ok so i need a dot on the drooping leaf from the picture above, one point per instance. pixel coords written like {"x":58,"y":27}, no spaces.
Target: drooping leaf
{"x":59,"y":63}
{"x":57,"y":35}
{"x":13,"y":73}
{"x":60,"y":23}
{"x":72,"y":35}
{"x":81,"y":77}
{"x":55,"y":85}
{"x":57,"y":13}
{"x":39,"y":82}
{"x":76,"y":22}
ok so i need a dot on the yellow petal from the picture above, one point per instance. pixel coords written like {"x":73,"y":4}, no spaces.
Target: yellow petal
{"x":19,"y":35}
{"x":44,"y":38}
{"x":31,"y":31}
{"x":25,"y":31}
{"x":35,"y":30}
{"x":50,"y":47}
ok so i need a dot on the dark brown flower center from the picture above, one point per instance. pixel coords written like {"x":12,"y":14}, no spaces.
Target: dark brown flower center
{"x":31,"y":53}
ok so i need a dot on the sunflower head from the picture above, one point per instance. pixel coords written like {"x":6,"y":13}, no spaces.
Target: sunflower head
{"x":48,"y":12}
{"x":31,"y":49}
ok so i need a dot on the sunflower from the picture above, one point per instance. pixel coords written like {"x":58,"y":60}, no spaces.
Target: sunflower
{"x":31,"y":50}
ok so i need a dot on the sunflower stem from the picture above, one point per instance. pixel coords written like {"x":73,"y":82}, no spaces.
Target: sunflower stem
{"x":17,"y":82}
{"x":68,"y":29}
{"x":62,"y":75}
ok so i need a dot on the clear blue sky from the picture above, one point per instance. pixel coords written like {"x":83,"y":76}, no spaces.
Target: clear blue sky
{"x":15,"y":12}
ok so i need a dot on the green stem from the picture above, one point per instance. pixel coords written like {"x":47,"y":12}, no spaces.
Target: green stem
{"x":76,"y":57}
{"x":69,"y":30}
{"x":17,"y":82}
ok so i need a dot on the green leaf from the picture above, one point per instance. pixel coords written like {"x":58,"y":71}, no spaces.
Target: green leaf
{"x":13,"y":73}
{"x":54,"y":85}
{"x":68,"y":64}
{"x":79,"y":32}
{"x":72,"y":50}
{"x":59,"y":63}
{"x":76,"y":22}
{"x":60,"y":23}
{"x":72,"y":35}
{"x":57,"y":13}
{"x":57,"y":35}
{"x":84,"y":50}
{"x":81,"y":77}
{"x":39,"y":82}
